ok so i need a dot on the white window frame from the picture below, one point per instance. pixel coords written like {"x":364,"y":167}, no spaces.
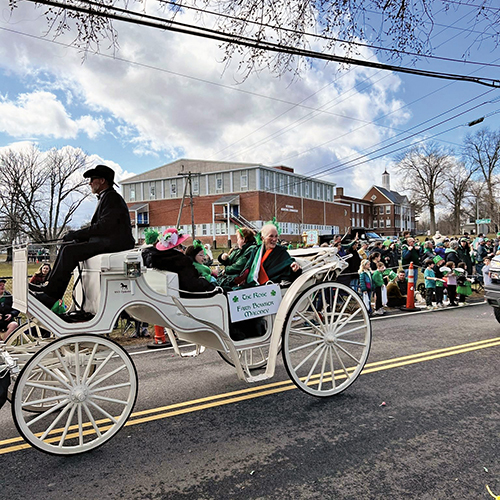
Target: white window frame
{"x":132,"y":192}
{"x":219,"y":182}
{"x":244,"y":179}
{"x":173,"y":189}
{"x":388,"y":209}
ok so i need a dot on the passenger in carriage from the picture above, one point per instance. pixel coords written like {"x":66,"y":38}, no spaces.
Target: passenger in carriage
{"x":198,"y":253}
{"x":167,"y":255}
{"x":234,"y":262}
{"x":270,"y":261}
{"x":109,"y":231}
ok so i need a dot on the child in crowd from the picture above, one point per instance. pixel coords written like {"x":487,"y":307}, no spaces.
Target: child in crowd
{"x":486,"y":271}
{"x":451,"y":279}
{"x":439,"y":291}
{"x":464,"y":288}
{"x":430,"y":282}
{"x":365,"y":283}
{"x":378,"y":283}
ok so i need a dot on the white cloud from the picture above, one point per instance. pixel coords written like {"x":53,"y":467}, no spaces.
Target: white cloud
{"x":40,"y":113}
{"x":156,"y":114}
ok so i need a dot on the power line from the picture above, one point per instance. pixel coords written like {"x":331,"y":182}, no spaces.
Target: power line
{"x":109,"y":12}
{"x":331,"y":39}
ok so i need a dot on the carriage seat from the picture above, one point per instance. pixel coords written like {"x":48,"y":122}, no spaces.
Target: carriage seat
{"x":163,"y":282}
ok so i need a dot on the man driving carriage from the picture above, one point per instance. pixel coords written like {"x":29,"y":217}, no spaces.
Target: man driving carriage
{"x":110,"y":230}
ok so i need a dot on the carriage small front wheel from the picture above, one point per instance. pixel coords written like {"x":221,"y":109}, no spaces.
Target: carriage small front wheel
{"x":89,"y":392}
{"x":326,"y":339}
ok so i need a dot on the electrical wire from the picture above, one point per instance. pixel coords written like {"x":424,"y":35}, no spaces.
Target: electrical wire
{"x":110,"y":12}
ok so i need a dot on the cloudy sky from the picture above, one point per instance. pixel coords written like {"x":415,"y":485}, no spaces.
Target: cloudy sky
{"x":164,"y":96}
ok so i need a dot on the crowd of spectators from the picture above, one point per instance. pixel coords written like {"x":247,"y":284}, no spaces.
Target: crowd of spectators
{"x":447,"y":266}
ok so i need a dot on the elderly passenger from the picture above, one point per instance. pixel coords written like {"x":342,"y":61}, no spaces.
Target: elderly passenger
{"x":270,"y":261}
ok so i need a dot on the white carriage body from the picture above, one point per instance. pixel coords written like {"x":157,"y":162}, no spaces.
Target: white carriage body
{"x":321,"y":325}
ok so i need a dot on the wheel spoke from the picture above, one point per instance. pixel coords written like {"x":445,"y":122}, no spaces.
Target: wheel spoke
{"x":55,"y":422}
{"x":111,"y":387}
{"x":305,"y":346}
{"x":344,"y":369}
{"x":104,"y":412}
{"x":351,"y":342}
{"x":305,"y":333}
{"x":110,"y":374}
{"x":313,"y":367}
{"x":100,"y":367}
{"x":347,"y":353}
{"x":79,"y":416}
{"x":66,"y":427}
{"x":44,"y":400}
{"x":62,"y":361}
{"x":341,"y":334}
{"x":77,"y":366}
{"x":310,"y":323}
{"x":334,"y":307}
{"x":91,"y":418}
{"x":314,"y":310}
{"x":312,"y":353}
{"x":332,"y":367}
{"x":89,"y":364}
{"x":46,"y":387}
{"x":47,"y":412}
{"x":110,"y":400}
{"x":323,"y":368}
{"x":50,"y":373}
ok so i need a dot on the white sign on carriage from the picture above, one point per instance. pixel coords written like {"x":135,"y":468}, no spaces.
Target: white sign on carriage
{"x":254,"y":302}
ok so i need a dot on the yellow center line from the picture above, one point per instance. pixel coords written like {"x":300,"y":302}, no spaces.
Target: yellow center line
{"x":258,"y":391}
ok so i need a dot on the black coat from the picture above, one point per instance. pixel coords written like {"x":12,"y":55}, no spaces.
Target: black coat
{"x":110,"y":224}
{"x":176,"y":262}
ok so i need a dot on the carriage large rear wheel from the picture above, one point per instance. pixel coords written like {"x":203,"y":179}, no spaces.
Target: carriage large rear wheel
{"x":326,"y":339}
{"x":88,"y":394}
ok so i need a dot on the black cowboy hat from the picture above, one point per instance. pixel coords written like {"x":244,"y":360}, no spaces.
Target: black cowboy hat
{"x":101,"y":172}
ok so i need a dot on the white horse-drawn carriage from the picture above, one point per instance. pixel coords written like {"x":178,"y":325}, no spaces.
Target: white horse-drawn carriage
{"x":73,"y":388}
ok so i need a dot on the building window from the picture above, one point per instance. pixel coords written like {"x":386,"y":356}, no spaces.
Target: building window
{"x":306,"y":190}
{"x":388,"y":209}
{"x":173,"y":189}
{"x":362,"y":209}
{"x":328,"y":193}
{"x":281,"y":180}
{"x":142,"y":218}
{"x":132,"y":192}
{"x":267,"y":181}
{"x":204,"y":230}
{"x":353,"y":222}
{"x":218,"y":182}
{"x":152,"y":191}
{"x":244,"y":179}
{"x":375,"y":224}
{"x":388,"y":223}
{"x":295,"y":184}
{"x":362,"y":222}
{"x":195,"y":183}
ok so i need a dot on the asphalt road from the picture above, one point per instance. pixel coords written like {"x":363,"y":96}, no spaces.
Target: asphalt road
{"x":421,"y":422}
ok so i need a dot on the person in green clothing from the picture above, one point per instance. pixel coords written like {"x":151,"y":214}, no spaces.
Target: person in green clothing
{"x":196,"y":253}
{"x":235,"y":261}
{"x":430,"y":282}
{"x":378,"y":283}
{"x":439,"y":291}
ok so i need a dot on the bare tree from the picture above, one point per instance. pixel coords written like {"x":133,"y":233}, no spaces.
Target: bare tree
{"x":249,"y":28}
{"x":40,"y":192}
{"x":425,"y":170}
{"x":457,"y":186}
{"x":482,"y":152}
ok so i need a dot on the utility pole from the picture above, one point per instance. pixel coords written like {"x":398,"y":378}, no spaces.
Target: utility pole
{"x":191,"y":201}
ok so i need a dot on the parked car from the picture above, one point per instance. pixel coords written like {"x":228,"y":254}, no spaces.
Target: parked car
{"x":364,"y":234}
{"x":492,"y":292}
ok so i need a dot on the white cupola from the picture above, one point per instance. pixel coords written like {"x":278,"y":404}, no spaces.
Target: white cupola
{"x":386,"y":180}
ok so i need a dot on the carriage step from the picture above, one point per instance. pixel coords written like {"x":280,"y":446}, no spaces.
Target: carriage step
{"x":257,"y":378}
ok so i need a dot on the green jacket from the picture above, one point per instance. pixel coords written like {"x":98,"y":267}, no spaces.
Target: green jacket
{"x":377,"y":279}
{"x":237,"y":261}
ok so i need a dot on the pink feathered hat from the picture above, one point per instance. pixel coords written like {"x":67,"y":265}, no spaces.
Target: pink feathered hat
{"x":170,"y":238}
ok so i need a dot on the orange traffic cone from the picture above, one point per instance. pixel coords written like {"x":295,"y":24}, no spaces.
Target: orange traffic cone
{"x":160,"y":339}
{"x":410,"y":294}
